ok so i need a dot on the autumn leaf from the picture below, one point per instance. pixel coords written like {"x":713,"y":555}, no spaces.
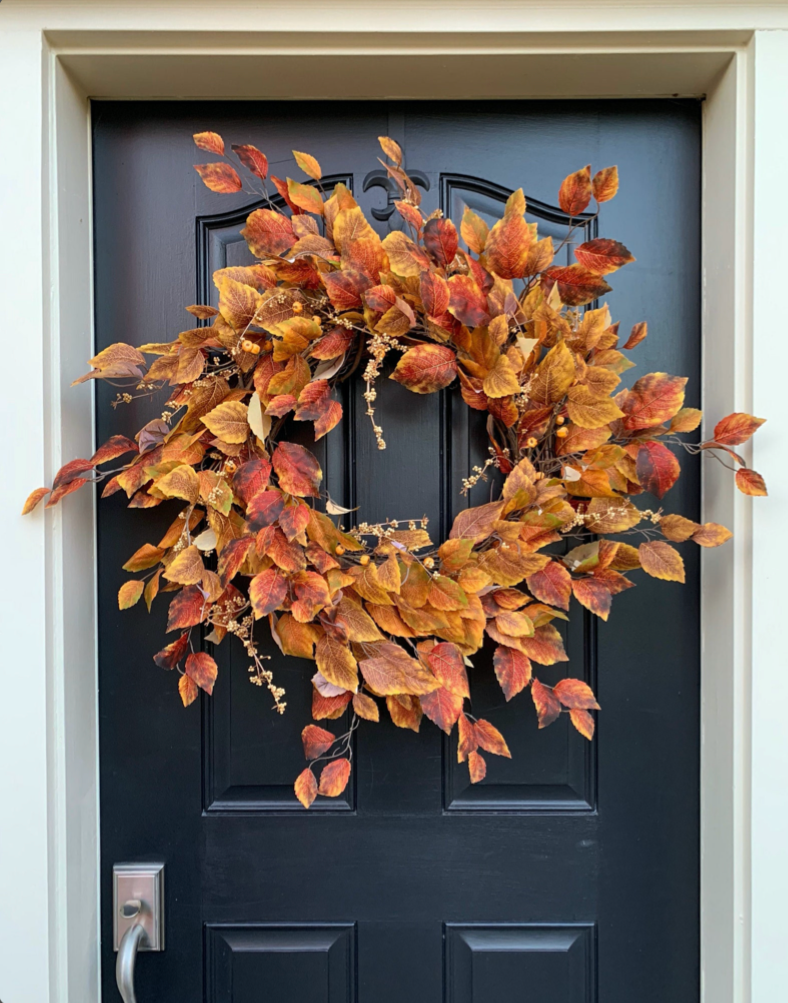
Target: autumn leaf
{"x":654,"y":398}
{"x":589,"y":410}
{"x":657,"y":468}
{"x":298,"y":471}
{"x":750,"y":483}
{"x":434,"y":292}
{"x":575,"y":192}
{"x":426,"y":368}
{"x":306,"y":788}
{"x":605,"y":184}
{"x":441,"y":240}
{"x":268,"y":233}
{"x":660,"y":560}
{"x":392,"y":671}
{"x":210,"y":141}
{"x":476,"y":767}
{"x":334,"y":778}
{"x":316,"y":741}
{"x":188,"y":608}
{"x":202,"y":669}
{"x":308,"y":165}
{"x":576,"y":285}
{"x":548,"y":706}
{"x":392,"y":149}
{"x":545,"y":647}
{"x":594,"y":595}
{"x":447,"y":666}
{"x":677,"y":528}
{"x":574,"y":693}
{"x":736,"y":428}
{"x":710,"y":534}
{"x":442,"y":707}
{"x":474,"y":231}
{"x":336,"y":663}
{"x":509,"y":241}
{"x":637,"y":334}
{"x":187,"y":568}
{"x":365,"y":707}
{"x":490,"y":739}
{"x":188,"y":690}
{"x":228,"y":422}
{"x":267,"y":592}
{"x":512,"y":670}
{"x":33,"y":499}
{"x":603,"y":255}
{"x":552,"y":585}
{"x":583,"y":722}
{"x":467,"y":302}
{"x":476,"y":523}
{"x":219,"y":177}
{"x":502,"y":380}
{"x":171,"y":654}
{"x":264,"y":509}
{"x":252,"y":159}
{"x":130,"y":593}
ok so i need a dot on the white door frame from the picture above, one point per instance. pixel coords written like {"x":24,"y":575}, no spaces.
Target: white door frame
{"x":52,"y":59}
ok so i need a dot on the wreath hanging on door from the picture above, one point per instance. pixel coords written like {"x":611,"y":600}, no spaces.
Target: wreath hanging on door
{"x":388,"y":617}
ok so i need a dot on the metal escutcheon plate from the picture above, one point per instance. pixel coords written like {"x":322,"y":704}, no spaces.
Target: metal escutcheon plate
{"x":146,"y":883}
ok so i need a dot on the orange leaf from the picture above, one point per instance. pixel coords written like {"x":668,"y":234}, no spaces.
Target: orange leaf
{"x":316,"y":741}
{"x":637,"y":334}
{"x":545,"y":647}
{"x":710,"y":534}
{"x":308,"y":165}
{"x":677,"y":528}
{"x":653,"y":399}
{"x":336,"y":663}
{"x":603,"y":255}
{"x":202,"y":669}
{"x":441,"y":240}
{"x":509,"y":241}
{"x":467,"y":301}
{"x":474,"y":231}
{"x":188,"y":690}
{"x":268,"y":233}
{"x":476,"y":767}
{"x":393,"y":671}
{"x":405,"y":711}
{"x":434,"y":292}
{"x":576,"y":285}
{"x":366,"y":707}
{"x":228,"y":422}
{"x":219,"y":177}
{"x":575,"y":192}
{"x":306,"y":787}
{"x":594,"y":595}
{"x":115,"y":446}
{"x":252,"y":159}
{"x":334,"y":778}
{"x":267,"y":592}
{"x":298,"y":471}
{"x":512,"y":669}
{"x":130,"y":593}
{"x":583,"y":721}
{"x":660,"y":560}
{"x":210,"y":141}
{"x":736,"y":428}
{"x":605,"y":184}
{"x":187,"y":568}
{"x":476,"y":523}
{"x":306,"y":197}
{"x":442,"y":707}
{"x":329,"y":707}
{"x":264,"y":509}
{"x":392,"y":149}
{"x":657,"y":468}
{"x":171,"y":654}
{"x":548,"y":706}
{"x":33,"y":499}
{"x":574,"y":693}
{"x":750,"y":483}
{"x":468,"y":742}
{"x":426,"y":368}
{"x":187,"y":609}
{"x":490,"y":739}
{"x":551,"y":585}
{"x":446,"y":662}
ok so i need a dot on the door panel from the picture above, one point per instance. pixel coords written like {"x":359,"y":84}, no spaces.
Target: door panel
{"x":570,"y":875}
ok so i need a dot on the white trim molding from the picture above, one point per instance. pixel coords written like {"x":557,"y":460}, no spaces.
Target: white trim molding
{"x":53,"y":58}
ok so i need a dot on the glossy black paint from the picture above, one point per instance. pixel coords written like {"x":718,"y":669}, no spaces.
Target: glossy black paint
{"x":571,"y":874}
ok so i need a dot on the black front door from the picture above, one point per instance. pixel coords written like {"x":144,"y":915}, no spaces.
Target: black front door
{"x":570,"y":875}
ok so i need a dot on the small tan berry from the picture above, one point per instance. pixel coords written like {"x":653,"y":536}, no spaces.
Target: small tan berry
{"x":298,"y":307}
{"x":429,"y":562}
{"x":364,"y":559}
{"x":560,"y":420}
{"x":562,"y":433}
{"x":230,"y":466}
{"x":531,"y":442}
{"x":339,"y":549}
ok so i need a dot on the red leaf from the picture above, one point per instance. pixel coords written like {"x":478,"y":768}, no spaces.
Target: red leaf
{"x":548,"y":706}
{"x":426,"y":368}
{"x":447,"y":666}
{"x":468,"y":742}
{"x":594,"y":595}
{"x":512,"y":669}
{"x":219,"y":177}
{"x":434,"y":294}
{"x":306,"y":788}
{"x":736,"y":428}
{"x":294,"y":520}
{"x":316,"y":741}
{"x":602,"y":255}
{"x":545,"y":647}
{"x":268,"y":233}
{"x":202,"y":669}
{"x":250,"y":479}
{"x":169,"y":656}
{"x":491,"y":740}
{"x":637,"y":334}
{"x":114,"y":447}
{"x":187,"y":609}
{"x":655,"y":397}
{"x":210,"y":141}
{"x":232,"y":557}
{"x":345,"y":288}
{"x":576,"y":284}
{"x":329,"y":707}
{"x":657,"y":468}
{"x":441,"y":240}
{"x":467,"y":301}
{"x":71,"y":470}
{"x":334,"y":778}
{"x":575,"y":192}
{"x":252,"y":159}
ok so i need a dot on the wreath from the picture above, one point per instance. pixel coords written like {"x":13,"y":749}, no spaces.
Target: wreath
{"x":388,"y":617}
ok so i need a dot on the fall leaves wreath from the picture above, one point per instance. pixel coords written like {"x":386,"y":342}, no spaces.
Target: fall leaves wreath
{"x":389,"y":618}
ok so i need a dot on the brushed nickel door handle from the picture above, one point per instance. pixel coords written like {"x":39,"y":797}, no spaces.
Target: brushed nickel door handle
{"x":138,"y":919}
{"x":127,"y":957}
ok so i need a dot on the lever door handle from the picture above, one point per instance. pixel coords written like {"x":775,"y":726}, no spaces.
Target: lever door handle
{"x":127,"y":957}
{"x":138,"y":905}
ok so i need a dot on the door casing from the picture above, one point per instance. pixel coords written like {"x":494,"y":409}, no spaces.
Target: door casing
{"x":87,"y":61}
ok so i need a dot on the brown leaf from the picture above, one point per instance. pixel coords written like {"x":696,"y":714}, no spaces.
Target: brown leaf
{"x":170,"y":655}
{"x":476,"y":523}
{"x":202,"y":669}
{"x":710,"y":534}
{"x":603,"y":255}
{"x":187,"y":609}
{"x":490,"y":739}
{"x":366,"y":707}
{"x":442,"y":707}
{"x":268,"y":233}
{"x":583,"y":721}
{"x":588,"y":410}
{"x":637,"y":334}
{"x":551,"y":585}
{"x":298,"y":471}
{"x":468,"y":742}
{"x":267,"y":592}
{"x":474,"y":231}
{"x":594,"y":595}
{"x":447,"y":665}
{"x":476,"y":767}
{"x":114,"y":447}
{"x":392,"y":149}
{"x":252,"y":159}
{"x":219,"y":177}
{"x":306,"y":787}
{"x":426,"y":368}
{"x":502,"y":380}
{"x":736,"y":428}
{"x":405,"y":711}
{"x":228,"y":422}
{"x":441,"y":240}
{"x":392,"y":671}
{"x":654,"y":398}
{"x":187,"y":568}
{"x":657,"y":468}
{"x":467,"y":302}
{"x":575,"y":192}
{"x":605,"y":184}
{"x":576,"y":285}
{"x":334,"y":778}
{"x":575,"y":694}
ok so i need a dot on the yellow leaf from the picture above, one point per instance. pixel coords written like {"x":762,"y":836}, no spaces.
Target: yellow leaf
{"x":187,"y":568}
{"x":501,"y":381}
{"x":308,"y":165}
{"x":588,"y":410}
{"x":182,"y":482}
{"x":228,"y":422}
{"x":660,"y":560}
{"x":130,"y":593}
